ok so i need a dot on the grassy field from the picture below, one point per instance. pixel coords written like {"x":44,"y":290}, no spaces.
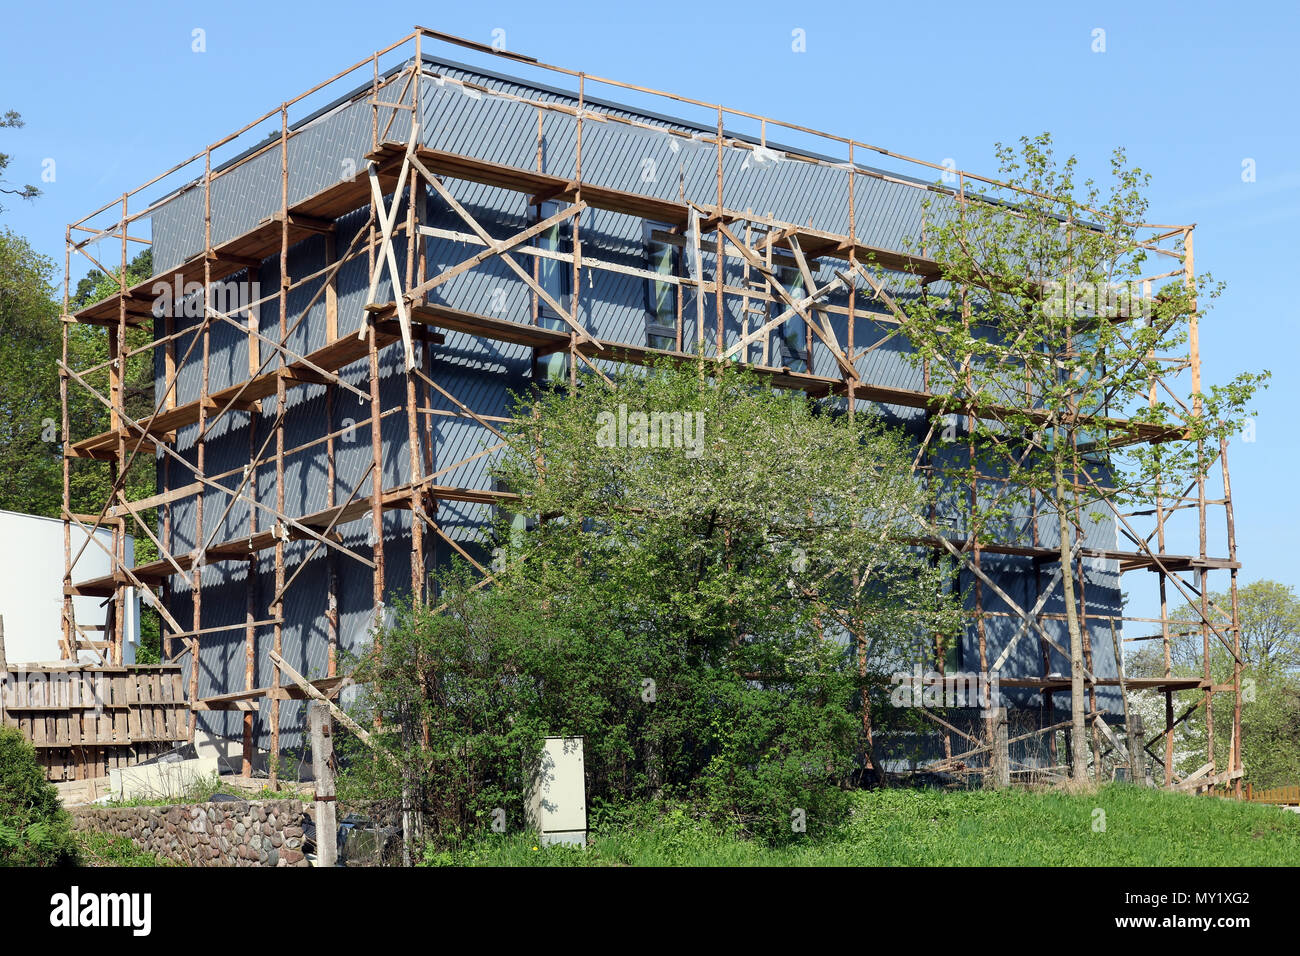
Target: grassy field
{"x":1137,"y":827}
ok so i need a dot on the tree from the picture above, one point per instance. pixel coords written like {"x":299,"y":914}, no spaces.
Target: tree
{"x":694,"y":576}
{"x":1269,"y":615}
{"x":11,"y":119}
{"x":30,"y":470}
{"x":744,"y":531}
{"x":35,"y":830}
{"x":1035,"y":335}
{"x":30,"y":414}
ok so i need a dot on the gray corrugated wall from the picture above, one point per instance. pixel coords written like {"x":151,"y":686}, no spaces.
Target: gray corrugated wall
{"x":481,"y":372}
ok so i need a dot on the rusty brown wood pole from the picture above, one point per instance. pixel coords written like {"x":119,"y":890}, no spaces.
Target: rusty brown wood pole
{"x":251,"y":589}
{"x":376,"y":480}
{"x":412,"y":410}
{"x":1235,"y":762}
{"x":169,"y":402}
{"x":721,"y":248}
{"x":1087,"y":652}
{"x":65,"y":446}
{"x":119,"y":528}
{"x":1085,"y":635}
{"x":196,"y":595}
{"x":277,"y":611}
{"x":1123,"y":696}
{"x":376,"y":421}
{"x":331,"y":559}
{"x":374,"y":110}
{"x":576,"y":244}
{"x":849,"y":383}
{"x":1194,"y":356}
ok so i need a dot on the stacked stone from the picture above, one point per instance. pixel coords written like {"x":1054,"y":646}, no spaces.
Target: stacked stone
{"x":235,"y":833}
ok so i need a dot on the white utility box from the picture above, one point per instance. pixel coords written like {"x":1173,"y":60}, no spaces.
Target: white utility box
{"x":557,"y":800}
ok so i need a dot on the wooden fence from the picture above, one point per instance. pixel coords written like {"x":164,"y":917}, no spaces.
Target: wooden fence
{"x":1283,"y":796}
{"x":86,"y":721}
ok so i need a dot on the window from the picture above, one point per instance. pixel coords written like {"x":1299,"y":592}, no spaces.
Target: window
{"x":1089,"y":438}
{"x":792,"y":337}
{"x":663,"y":258}
{"x":556,"y":278}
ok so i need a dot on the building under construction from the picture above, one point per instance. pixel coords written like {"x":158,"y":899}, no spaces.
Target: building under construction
{"x":347,"y":291}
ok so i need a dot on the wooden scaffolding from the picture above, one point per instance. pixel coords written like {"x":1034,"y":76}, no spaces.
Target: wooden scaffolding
{"x":396,"y":168}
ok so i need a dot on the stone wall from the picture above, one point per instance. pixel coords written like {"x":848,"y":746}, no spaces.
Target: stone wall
{"x":234,"y":833}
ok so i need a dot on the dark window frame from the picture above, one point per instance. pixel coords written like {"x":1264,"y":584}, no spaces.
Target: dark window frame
{"x":790,"y":276}
{"x":655,"y":325}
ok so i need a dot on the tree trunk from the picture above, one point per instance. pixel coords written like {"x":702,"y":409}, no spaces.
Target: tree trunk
{"x":1078,"y":735}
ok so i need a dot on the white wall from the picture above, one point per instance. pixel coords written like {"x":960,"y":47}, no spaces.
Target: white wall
{"x":31,"y":587}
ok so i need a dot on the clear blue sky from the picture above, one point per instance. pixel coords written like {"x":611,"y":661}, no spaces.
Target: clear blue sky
{"x":114,"y":94}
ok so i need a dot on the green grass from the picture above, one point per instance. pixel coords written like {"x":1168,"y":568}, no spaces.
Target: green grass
{"x":98,"y":849}
{"x":946,"y":828}
{"x":203,"y":789}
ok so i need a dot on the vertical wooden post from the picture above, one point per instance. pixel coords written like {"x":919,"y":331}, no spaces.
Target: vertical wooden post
{"x":119,"y":410}
{"x":575,"y":230}
{"x":251,"y":587}
{"x":1235,"y":761}
{"x":851,"y":350}
{"x":1123,"y":694}
{"x":196,"y":595}
{"x":1169,"y":738}
{"x":999,"y":775}
{"x":720,"y":262}
{"x":1194,"y":357}
{"x":65,"y":462}
{"x":322,"y":763}
{"x":332,"y":564}
{"x":169,"y":378}
{"x":277,"y":611}
{"x":1137,"y":753}
{"x":414,"y":217}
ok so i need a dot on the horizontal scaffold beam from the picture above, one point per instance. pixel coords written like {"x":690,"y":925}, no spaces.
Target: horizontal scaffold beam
{"x":242,"y":548}
{"x":338,"y":354}
{"x":247,"y":699}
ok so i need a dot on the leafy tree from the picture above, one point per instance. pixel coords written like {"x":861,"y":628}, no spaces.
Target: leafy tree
{"x":1016,"y":338}
{"x":701,"y":608}
{"x":785,"y":525}
{"x":1269,"y":614}
{"x":30,"y":470}
{"x":35,"y":830}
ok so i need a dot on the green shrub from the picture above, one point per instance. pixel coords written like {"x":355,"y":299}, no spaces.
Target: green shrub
{"x":464,"y":697}
{"x":35,"y":830}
